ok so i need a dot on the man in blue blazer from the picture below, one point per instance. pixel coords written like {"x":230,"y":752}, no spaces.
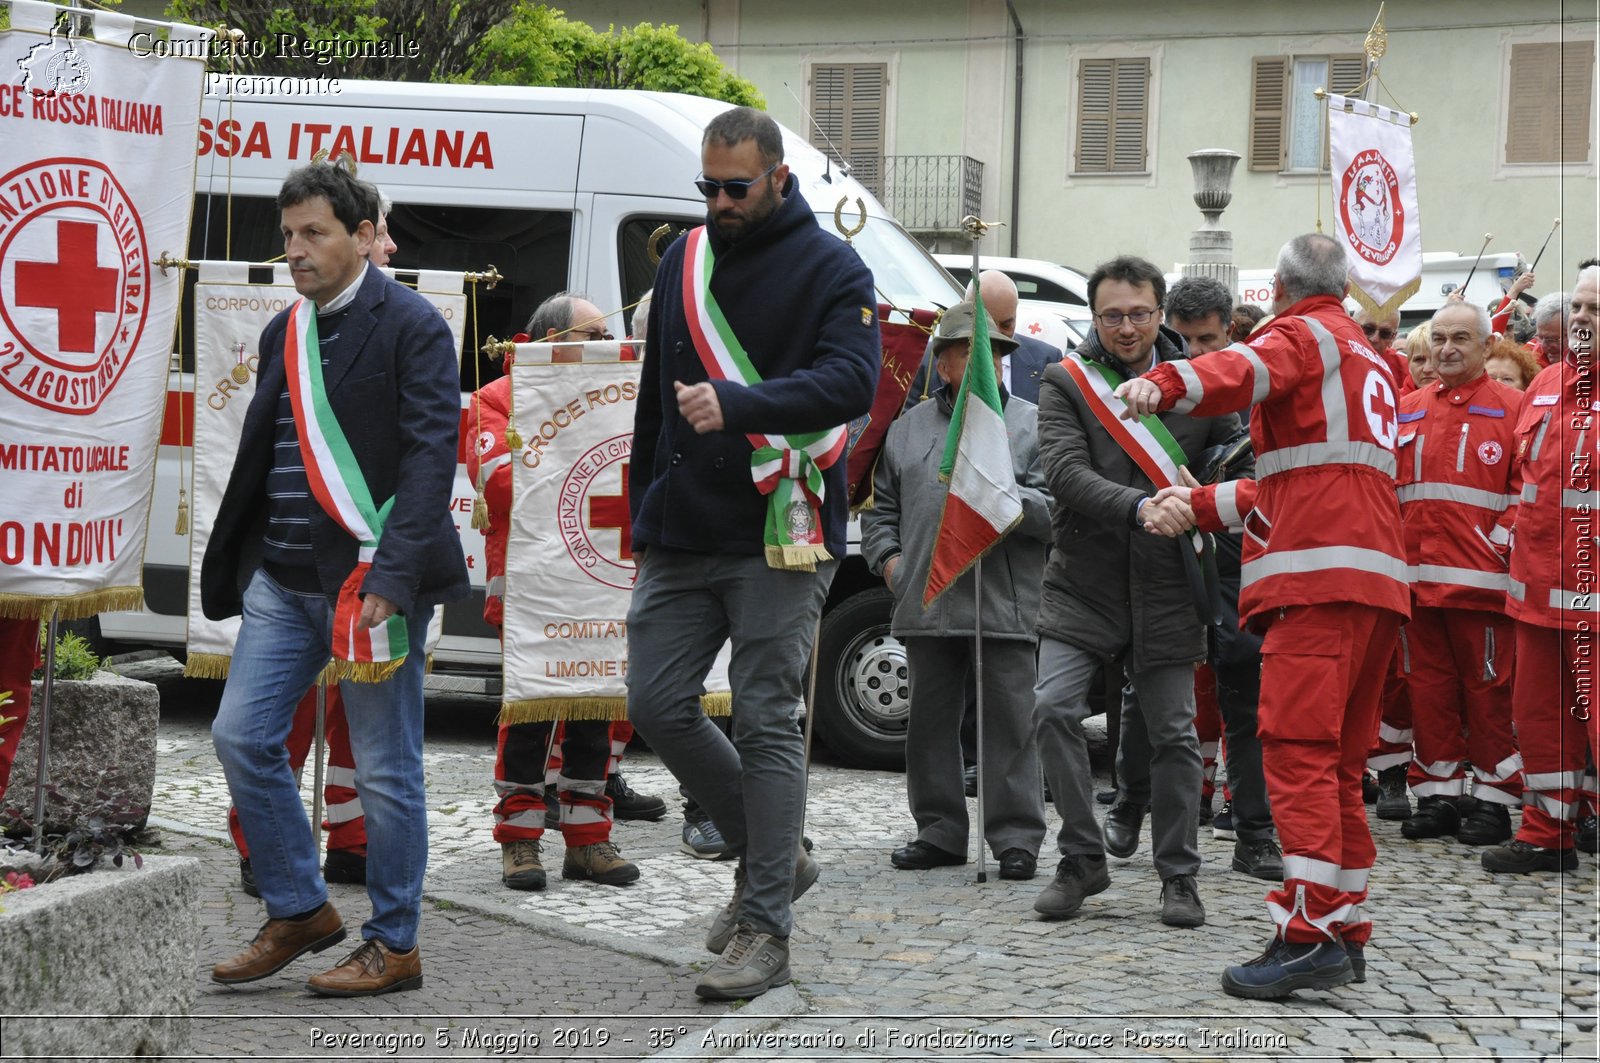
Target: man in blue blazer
{"x":382,"y":418}
{"x":1021,"y":369}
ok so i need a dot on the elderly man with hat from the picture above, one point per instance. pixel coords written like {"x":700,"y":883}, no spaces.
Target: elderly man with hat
{"x":897,"y":539}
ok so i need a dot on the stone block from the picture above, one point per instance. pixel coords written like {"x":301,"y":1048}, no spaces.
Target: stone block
{"x":99,"y":723}
{"x":117,"y":943}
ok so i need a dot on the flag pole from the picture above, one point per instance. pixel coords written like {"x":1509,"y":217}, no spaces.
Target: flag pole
{"x":976,"y":229}
{"x":318,"y":745}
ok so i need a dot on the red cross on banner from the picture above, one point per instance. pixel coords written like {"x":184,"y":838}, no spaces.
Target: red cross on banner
{"x":611,"y":511}
{"x":75,"y":286}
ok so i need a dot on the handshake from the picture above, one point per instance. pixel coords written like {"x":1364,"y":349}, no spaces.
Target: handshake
{"x":1168,"y":512}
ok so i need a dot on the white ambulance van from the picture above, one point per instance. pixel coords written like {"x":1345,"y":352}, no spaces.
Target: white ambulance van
{"x":557,"y":189}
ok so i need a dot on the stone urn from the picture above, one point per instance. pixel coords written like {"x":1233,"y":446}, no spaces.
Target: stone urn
{"x":1213,"y":181}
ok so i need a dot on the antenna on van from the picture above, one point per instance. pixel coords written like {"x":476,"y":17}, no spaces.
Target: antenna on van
{"x":844,"y":167}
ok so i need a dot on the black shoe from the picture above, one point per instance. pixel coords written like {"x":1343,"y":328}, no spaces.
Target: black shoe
{"x":247,"y":878}
{"x":1018,"y":864}
{"x":1222,"y":823}
{"x":1259,"y":859}
{"x":1120,"y":831}
{"x":1104,"y":797}
{"x":1287,"y":966}
{"x":1517,"y":857}
{"x":1077,"y":877}
{"x":1488,"y":824}
{"x":1358,"y":960}
{"x":627,"y":803}
{"x":345,"y":865}
{"x":1436,"y":817}
{"x":1393,"y":801}
{"x":921,"y":855}
{"x":1180,"y":902}
{"x":969,"y":780}
{"x":1369,"y":788}
{"x":1587,"y":836}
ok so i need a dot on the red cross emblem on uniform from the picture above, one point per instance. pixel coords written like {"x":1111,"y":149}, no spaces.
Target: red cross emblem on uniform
{"x":1379,"y":405}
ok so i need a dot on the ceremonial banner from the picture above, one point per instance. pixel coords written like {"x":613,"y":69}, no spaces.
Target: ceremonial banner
{"x":96,"y":181}
{"x":229,"y":314}
{"x":569,"y":561}
{"x":904,"y":344}
{"x":1375,"y":202}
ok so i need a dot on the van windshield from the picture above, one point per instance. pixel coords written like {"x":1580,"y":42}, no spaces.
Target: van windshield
{"x":904,"y":274}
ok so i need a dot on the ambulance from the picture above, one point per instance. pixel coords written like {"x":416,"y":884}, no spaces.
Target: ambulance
{"x":555,"y":189}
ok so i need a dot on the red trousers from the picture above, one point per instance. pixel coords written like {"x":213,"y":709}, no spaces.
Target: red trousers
{"x":1322,"y":672}
{"x":576,"y":757}
{"x":1208,"y":728}
{"x":1460,"y":687}
{"x":1553,"y":699}
{"x":19,"y":655}
{"x":344,"y":822}
{"x":1395,"y":734}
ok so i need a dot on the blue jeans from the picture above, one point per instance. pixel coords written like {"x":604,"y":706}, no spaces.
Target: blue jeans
{"x":685,"y":605}
{"x":283,"y":644}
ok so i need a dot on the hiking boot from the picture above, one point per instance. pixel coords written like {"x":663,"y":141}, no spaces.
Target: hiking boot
{"x":627,"y":803}
{"x":1436,"y":817}
{"x":1078,"y":877}
{"x":520,"y":866}
{"x":703,"y":841}
{"x":1393,"y":801}
{"x":1222,"y":823}
{"x":1259,"y":859}
{"x":723,"y":926}
{"x":601,"y":862}
{"x":1180,"y":902}
{"x":1288,"y":966}
{"x":1488,"y":824}
{"x":1120,"y":831}
{"x":1517,"y":857}
{"x":751,"y":964}
{"x":247,"y":878}
{"x":1587,"y":834}
{"x":345,"y":865}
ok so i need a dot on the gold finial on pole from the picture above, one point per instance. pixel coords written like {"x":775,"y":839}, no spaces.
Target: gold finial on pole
{"x":838,"y":217}
{"x":653,"y":245}
{"x":976,"y":227}
{"x":498,"y":349}
{"x":1377,"y":38}
{"x":167,"y":261}
{"x":488,"y":278}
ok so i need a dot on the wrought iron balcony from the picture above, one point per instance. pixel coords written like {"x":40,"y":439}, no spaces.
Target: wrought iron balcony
{"x":930,"y":194}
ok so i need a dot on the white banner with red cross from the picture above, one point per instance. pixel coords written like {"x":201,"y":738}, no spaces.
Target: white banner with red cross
{"x":569,"y":558}
{"x":1375,"y":212}
{"x":96,"y":182}
{"x":229,"y":314}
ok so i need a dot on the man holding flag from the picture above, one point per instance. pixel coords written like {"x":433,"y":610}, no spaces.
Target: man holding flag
{"x":1114,"y":594}
{"x":958,"y":477}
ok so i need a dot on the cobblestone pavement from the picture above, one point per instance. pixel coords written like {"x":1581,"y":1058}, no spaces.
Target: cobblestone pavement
{"x":888,"y":964}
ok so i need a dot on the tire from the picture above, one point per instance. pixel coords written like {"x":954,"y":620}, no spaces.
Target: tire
{"x":863,"y":688}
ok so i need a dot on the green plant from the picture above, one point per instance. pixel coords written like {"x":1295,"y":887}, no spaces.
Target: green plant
{"x":75,"y":658}
{"x":102,"y":829}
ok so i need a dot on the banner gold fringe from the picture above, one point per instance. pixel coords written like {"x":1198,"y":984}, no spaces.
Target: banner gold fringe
{"x":361,"y":671}
{"x":719,"y":703}
{"x":206,"y":666}
{"x":548,"y":710}
{"x":797,"y":558}
{"x":72,"y":606}
{"x":1391,"y":305}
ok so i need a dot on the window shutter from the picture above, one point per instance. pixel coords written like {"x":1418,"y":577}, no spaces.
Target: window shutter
{"x":847,"y":106}
{"x":1094,"y":115}
{"x":1345,"y":74}
{"x":1577,"y":92}
{"x":1534,"y":128}
{"x":1132,"y":89}
{"x":827,"y":109}
{"x":1113,"y":115}
{"x":1269,"y":105}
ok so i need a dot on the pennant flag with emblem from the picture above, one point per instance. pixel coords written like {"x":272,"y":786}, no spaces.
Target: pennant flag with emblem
{"x":983,"y":503}
{"x":1375,"y":202}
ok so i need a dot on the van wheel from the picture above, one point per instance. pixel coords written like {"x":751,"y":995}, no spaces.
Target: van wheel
{"x":863,"y":684}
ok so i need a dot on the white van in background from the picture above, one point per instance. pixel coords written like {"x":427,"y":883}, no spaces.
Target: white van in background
{"x":557,"y":189}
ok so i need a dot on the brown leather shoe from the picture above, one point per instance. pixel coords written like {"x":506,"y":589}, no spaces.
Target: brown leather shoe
{"x":370,"y":970}
{"x":279,"y":943}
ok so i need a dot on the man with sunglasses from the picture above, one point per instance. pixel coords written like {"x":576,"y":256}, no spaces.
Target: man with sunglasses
{"x":762,"y":345}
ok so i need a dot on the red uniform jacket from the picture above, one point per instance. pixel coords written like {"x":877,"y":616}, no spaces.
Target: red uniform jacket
{"x":1320,"y":522}
{"x":489,"y":468}
{"x":1458,"y":487}
{"x":1553,"y":554}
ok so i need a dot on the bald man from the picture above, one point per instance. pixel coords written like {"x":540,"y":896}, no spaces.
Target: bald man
{"x":1021,"y":369}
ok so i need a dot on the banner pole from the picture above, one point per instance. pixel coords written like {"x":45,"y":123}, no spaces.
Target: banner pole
{"x":319,"y":740}
{"x":977,"y":668}
{"x":42,"y":771}
{"x":811,"y":715}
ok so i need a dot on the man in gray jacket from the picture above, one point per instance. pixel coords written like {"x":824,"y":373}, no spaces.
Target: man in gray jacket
{"x":1112,"y":592}
{"x":897,"y":539}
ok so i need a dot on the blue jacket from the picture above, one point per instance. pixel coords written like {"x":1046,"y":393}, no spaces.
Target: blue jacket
{"x":395,"y":388}
{"x":802,"y":304}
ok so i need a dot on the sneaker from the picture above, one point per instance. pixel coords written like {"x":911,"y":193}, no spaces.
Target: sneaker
{"x":247,"y":878}
{"x":1120,"y":829}
{"x":600,"y":862}
{"x":1393,"y":801}
{"x":1488,"y":824}
{"x":703,"y":841}
{"x":627,"y":803}
{"x":751,"y":964}
{"x":1287,"y":966}
{"x":520,"y":866}
{"x":1180,"y":902}
{"x":1222,"y":823}
{"x":1259,"y":859}
{"x":1077,"y":877}
{"x":345,"y":865}
{"x":1587,"y":836}
{"x":1517,"y":857}
{"x":1436,"y":817}
{"x":725,"y":923}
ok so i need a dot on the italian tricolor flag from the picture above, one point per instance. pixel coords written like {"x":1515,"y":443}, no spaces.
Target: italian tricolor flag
{"x":983,"y":503}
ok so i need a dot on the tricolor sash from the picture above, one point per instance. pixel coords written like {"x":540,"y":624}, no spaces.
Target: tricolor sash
{"x":1147,"y":441}
{"x":786,"y":468}
{"x":361,"y":654}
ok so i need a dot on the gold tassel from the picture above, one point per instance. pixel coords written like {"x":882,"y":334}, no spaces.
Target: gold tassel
{"x":363,"y":671}
{"x":72,"y":606}
{"x":797,"y":558}
{"x":513,"y":437}
{"x":183,"y":513}
{"x":480,"y":513}
{"x":547,"y":710}
{"x":718,"y":703}
{"x":206,"y":666}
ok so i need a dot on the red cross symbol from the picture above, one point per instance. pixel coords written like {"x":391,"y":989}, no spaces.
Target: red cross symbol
{"x":1035,"y":328}
{"x":1379,"y":406}
{"x":611,"y":511}
{"x":75,"y":286}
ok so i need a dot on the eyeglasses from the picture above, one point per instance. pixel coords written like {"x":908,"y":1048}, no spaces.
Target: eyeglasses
{"x":735,"y":189}
{"x":589,"y":334}
{"x":1114,"y":318}
{"x":1380,"y":333}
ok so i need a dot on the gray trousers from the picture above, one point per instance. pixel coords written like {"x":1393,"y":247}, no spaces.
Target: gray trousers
{"x":1013,"y":804}
{"x":1166,"y":698}
{"x":685,"y":605}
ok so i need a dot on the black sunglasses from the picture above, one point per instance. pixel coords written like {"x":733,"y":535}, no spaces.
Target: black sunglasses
{"x":735,"y":189}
